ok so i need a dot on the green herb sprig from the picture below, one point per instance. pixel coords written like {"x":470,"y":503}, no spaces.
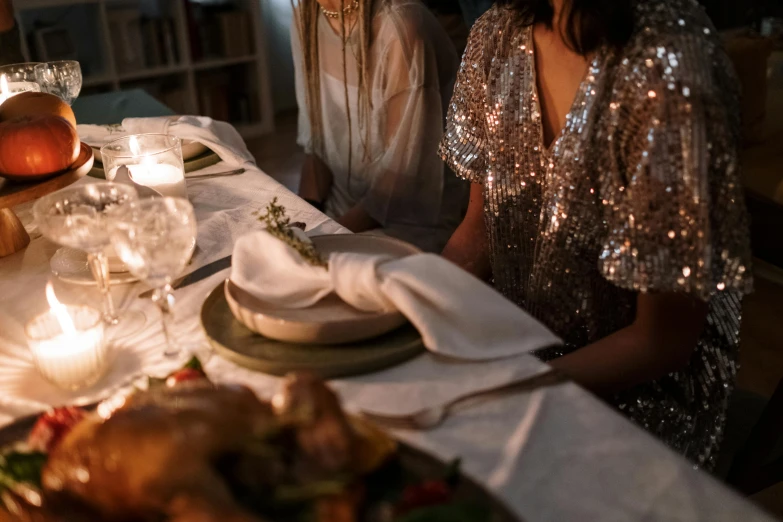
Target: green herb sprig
{"x":277,"y":224}
{"x":20,"y":469}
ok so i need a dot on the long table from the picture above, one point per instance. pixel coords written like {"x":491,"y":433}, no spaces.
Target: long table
{"x":557,"y":454}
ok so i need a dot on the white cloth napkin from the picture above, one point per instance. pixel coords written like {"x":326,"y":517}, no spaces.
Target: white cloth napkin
{"x":222,"y":138}
{"x":456,"y":314}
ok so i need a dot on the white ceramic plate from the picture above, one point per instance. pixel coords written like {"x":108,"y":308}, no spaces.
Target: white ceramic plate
{"x":71,"y":266}
{"x":331,"y":320}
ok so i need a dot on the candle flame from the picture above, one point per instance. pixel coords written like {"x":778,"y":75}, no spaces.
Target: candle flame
{"x":133,"y":143}
{"x":59,"y":310}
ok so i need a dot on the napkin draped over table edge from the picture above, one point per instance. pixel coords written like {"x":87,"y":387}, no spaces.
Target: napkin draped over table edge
{"x":220,"y":137}
{"x":456,"y":314}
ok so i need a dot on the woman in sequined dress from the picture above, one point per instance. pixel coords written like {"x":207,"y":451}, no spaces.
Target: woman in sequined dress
{"x":600,"y":137}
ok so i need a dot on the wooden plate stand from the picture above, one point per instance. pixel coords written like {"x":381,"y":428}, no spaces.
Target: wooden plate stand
{"x":13,"y":236}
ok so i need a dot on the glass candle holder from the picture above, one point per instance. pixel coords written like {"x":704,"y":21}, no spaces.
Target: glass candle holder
{"x":18,"y":78}
{"x":70,"y":360}
{"x":149,"y":160}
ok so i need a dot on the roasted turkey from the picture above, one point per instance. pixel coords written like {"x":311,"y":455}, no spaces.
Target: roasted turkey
{"x":195,"y":452}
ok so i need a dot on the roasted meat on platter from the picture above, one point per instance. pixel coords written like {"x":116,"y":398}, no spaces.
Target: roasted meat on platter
{"x":188,"y":450}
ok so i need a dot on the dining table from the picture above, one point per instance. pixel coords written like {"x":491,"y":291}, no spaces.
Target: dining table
{"x":557,"y":453}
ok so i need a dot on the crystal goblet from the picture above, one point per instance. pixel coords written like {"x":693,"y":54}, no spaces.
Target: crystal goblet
{"x":62,"y":78}
{"x":77,"y":217}
{"x":155,"y":238}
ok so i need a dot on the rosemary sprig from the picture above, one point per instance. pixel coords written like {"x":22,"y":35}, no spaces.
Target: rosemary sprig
{"x":277,"y":224}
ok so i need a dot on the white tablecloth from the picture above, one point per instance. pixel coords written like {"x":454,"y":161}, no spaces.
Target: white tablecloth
{"x":558,"y":454}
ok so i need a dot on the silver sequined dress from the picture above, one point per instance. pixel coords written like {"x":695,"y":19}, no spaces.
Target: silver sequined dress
{"x":640,"y":192}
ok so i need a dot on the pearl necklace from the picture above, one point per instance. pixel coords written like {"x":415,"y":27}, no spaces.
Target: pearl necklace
{"x":346,"y":10}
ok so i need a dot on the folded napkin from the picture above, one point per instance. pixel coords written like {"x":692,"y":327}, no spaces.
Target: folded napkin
{"x":456,"y":314}
{"x":222,"y":138}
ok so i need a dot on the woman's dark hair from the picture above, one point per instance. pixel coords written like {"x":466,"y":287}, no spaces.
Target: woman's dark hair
{"x":588,"y":23}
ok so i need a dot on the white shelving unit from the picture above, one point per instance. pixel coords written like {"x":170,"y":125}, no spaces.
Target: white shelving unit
{"x":188,"y":70}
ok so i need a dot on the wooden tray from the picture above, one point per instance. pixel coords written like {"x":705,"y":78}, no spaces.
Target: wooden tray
{"x":15,"y":192}
{"x":13,"y":236}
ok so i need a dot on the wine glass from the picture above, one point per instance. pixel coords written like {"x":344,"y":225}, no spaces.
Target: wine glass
{"x":155,"y":238}
{"x":62,"y":78}
{"x":77,"y":217}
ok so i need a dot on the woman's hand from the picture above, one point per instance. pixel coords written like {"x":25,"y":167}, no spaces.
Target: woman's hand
{"x":661,"y":340}
{"x":468,"y":247}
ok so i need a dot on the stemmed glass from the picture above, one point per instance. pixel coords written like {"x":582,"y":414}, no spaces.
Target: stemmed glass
{"x":155,"y":238}
{"x":62,"y":78}
{"x":77,"y":217}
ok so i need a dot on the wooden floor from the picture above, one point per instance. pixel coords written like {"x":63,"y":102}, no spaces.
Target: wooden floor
{"x":761,"y":355}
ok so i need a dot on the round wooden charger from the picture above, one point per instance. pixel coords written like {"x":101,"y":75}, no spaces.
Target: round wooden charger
{"x":236,"y":343}
{"x":14,"y":193}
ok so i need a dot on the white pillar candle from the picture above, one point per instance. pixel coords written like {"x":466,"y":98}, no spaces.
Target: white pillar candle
{"x":67,"y":344}
{"x":162,"y":177}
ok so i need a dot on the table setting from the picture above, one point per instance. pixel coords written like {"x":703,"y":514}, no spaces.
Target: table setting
{"x":125,"y":279}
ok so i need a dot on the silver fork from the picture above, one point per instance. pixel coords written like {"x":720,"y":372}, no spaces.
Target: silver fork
{"x":432,"y":417}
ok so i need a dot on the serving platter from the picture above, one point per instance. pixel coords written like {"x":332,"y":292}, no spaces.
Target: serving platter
{"x":409,"y":460}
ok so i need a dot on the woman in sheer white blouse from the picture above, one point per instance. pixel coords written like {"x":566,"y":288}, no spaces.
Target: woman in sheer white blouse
{"x":373,"y":79}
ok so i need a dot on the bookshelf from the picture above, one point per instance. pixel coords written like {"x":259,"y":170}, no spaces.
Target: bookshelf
{"x":203,"y":57}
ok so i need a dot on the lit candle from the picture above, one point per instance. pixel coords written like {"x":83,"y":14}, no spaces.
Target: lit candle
{"x":162,"y":177}
{"x":67,"y":343}
{"x":166,"y":179}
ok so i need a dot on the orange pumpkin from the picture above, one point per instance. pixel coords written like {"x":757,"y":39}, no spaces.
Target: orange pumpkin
{"x":32,"y":147}
{"x":35,"y":104}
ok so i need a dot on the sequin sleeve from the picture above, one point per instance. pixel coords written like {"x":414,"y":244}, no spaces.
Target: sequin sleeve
{"x":463,"y":143}
{"x":672,"y":199}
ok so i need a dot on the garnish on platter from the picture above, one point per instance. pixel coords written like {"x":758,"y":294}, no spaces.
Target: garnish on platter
{"x":187,"y":449}
{"x":279,"y":225}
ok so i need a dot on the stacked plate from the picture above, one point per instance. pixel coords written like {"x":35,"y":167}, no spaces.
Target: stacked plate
{"x":330,"y":338}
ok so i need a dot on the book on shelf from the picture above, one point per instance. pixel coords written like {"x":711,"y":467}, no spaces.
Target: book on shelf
{"x":235,"y":34}
{"x":217,"y":31}
{"x":153,"y":51}
{"x":169,"y":41}
{"x":125,"y":31}
{"x":141,"y":43}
